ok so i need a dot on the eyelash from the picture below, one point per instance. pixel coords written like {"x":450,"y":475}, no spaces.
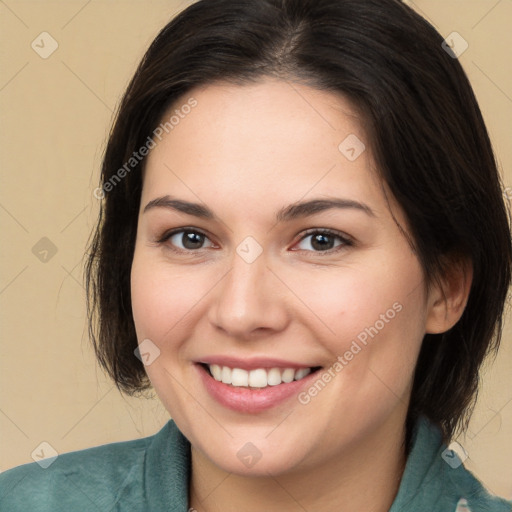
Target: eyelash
{"x":345,"y":241}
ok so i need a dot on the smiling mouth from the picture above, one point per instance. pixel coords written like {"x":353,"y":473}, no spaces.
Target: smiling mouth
{"x":259,"y":377}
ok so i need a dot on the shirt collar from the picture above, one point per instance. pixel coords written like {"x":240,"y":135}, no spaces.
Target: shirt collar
{"x":420,"y":483}
{"x":168,"y":466}
{"x":167,"y":470}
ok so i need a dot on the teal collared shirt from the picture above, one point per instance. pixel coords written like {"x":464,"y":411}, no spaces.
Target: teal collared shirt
{"x":152,"y":474}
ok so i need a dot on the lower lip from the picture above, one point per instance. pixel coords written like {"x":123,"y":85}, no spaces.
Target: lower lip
{"x":251,"y":400}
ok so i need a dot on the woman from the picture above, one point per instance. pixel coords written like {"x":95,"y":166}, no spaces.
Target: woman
{"x":303,"y":247}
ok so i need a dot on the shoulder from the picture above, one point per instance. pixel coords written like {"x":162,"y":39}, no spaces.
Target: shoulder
{"x":435,"y":479}
{"x":84,"y":478}
{"x":474,"y":497}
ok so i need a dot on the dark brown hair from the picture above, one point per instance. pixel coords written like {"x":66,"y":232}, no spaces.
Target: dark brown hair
{"x":425,"y":131}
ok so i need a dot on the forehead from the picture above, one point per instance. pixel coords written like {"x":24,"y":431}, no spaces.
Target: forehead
{"x":266,"y":141}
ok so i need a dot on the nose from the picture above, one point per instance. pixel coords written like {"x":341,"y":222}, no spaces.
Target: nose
{"x":249,"y":300}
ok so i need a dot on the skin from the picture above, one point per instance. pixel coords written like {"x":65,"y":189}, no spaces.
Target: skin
{"x":245,"y":152}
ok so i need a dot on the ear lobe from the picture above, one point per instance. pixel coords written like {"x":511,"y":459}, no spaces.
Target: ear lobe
{"x":449,"y":295}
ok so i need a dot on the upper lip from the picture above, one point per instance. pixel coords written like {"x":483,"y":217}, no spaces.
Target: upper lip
{"x":253,"y":363}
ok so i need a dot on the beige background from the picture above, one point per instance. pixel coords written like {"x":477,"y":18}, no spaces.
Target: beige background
{"x":56,"y":114}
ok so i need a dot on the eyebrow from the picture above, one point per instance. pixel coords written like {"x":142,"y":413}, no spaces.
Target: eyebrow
{"x":291,"y":212}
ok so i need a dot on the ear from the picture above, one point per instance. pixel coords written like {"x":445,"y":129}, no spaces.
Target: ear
{"x":449,"y":295}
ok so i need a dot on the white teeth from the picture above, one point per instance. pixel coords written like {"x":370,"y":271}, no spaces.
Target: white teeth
{"x":300,"y":374}
{"x":259,"y":378}
{"x":274,"y":377}
{"x":226,"y":375}
{"x":239,"y":377}
{"x":216,"y":371}
{"x":288,"y":375}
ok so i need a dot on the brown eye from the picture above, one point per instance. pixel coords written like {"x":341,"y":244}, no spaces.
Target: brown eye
{"x":322,"y":241}
{"x":186,"y":239}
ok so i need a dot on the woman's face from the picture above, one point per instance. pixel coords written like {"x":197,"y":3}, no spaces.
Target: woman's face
{"x":249,"y":289}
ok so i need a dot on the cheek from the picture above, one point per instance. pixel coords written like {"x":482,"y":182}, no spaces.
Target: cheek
{"x":164,"y":299}
{"x":162,"y":296}
{"x":345,"y":301}
{"x":373,"y":323}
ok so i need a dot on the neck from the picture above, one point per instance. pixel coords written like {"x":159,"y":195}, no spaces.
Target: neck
{"x":364,"y":477}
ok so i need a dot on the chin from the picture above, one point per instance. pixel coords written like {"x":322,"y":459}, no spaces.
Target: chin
{"x":250,"y":461}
